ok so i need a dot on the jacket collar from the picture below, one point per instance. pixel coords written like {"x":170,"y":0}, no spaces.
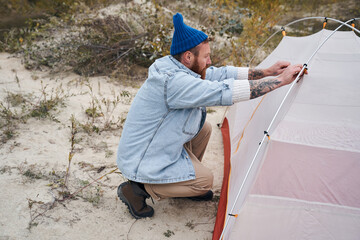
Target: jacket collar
{"x":182,"y":66}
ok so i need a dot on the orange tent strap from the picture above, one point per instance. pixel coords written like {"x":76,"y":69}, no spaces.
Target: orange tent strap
{"x":252,"y":115}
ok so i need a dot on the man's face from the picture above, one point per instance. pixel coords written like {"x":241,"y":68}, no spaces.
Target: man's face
{"x":202,"y":61}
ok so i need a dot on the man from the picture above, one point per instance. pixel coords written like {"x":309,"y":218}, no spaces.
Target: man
{"x":165,"y":133}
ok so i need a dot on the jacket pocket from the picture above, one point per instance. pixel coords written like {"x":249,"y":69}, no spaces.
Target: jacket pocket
{"x":192,"y":123}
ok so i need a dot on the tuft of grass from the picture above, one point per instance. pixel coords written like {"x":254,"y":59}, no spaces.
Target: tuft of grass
{"x":56,"y":179}
{"x":8,"y":120}
{"x":8,"y":134}
{"x":210,"y":110}
{"x":15,"y":99}
{"x":34,"y":208}
{"x":83,"y":164}
{"x":84,"y":182}
{"x":92,"y":195}
{"x":101,"y":112}
{"x":216,"y":198}
{"x":47,"y":102}
{"x":73,"y":141}
{"x":108,"y":153}
{"x":168,"y":233}
{"x":93,"y":113}
{"x":190,"y":224}
{"x":33,"y":175}
{"x":43,"y":109}
{"x":5,"y":169}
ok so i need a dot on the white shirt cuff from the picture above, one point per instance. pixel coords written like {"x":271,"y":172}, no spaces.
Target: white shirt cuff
{"x":243,"y":73}
{"x":241,"y":91}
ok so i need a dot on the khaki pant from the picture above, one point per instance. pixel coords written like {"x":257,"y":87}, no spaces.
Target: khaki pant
{"x":204,"y":177}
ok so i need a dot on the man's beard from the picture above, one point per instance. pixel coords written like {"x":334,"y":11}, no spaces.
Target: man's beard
{"x":196,"y":68}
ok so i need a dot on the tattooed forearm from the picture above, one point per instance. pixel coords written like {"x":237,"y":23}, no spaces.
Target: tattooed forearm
{"x":259,"y":88}
{"x":255,"y":74}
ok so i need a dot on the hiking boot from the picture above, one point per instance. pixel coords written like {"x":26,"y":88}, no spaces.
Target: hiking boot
{"x":135,"y":197}
{"x":206,"y":197}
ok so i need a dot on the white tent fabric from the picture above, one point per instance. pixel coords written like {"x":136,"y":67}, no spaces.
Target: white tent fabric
{"x":305,"y":182}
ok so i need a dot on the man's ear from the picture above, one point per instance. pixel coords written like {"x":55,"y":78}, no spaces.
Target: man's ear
{"x":187,"y":58}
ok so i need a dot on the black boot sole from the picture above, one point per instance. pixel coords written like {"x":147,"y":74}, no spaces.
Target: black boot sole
{"x":206,"y":197}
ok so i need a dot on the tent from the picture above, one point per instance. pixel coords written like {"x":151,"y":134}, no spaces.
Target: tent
{"x":300,"y":177}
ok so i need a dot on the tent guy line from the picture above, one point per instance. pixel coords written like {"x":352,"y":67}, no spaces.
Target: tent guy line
{"x":266,"y":132}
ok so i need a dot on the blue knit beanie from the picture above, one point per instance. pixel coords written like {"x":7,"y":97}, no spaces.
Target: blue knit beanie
{"x":184,"y":37}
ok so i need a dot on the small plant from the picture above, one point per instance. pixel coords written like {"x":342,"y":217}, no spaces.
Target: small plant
{"x":168,"y":233}
{"x":32,"y":175}
{"x":210,"y":110}
{"x":108,"y":153}
{"x":83,"y":164}
{"x":101,"y":110}
{"x":47,"y":103}
{"x":84,"y":182}
{"x":92,"y":195}
{"x":216,"y":198}
{"x":34,"y":211}
{"x":57,"y":179}
{"x":190,"y":224}
{"x":8,"y":134}
{"x":15,"y":99}
{"x":5,"y":169}
{"x":72,"y":148}
{"x":8,"y":120}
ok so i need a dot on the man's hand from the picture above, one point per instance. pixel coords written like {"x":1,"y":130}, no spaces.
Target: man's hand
{"x":277,"y":69}
{"x":274,"y":70}
{"x":289,"y":74}
{"x":263,"y":86}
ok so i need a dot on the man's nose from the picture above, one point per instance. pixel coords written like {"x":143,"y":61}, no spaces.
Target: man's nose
{"x":208,"y":61}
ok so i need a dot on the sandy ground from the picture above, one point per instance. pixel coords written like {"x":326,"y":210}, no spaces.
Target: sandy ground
{"x":34,"y":161}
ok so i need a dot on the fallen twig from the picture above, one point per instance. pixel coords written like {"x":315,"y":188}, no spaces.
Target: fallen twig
{"x":79,"y":190}
{"x":127,"y":236}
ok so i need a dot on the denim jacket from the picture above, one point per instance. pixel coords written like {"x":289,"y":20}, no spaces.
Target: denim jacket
{"x":168,"y":111}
